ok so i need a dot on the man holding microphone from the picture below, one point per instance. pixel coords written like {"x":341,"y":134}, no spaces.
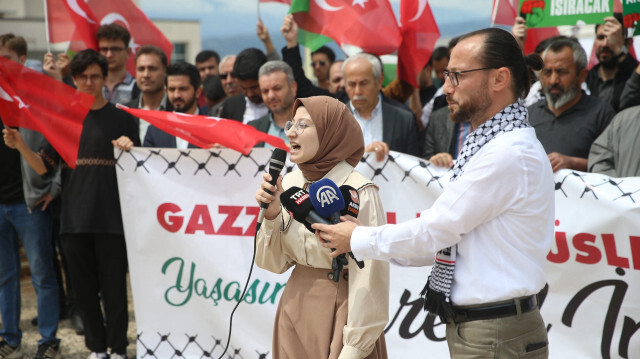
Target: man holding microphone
{"x":492,"y":227}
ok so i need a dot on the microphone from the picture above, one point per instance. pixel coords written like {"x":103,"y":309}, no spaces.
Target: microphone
{"x":276,"y":163}
{"x":327,"y":199}
{"x":351,"y":208}
{"x":297,"y":202}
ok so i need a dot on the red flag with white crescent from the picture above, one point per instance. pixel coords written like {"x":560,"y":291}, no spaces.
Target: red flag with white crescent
{"x":72,"y":21}
{"x":419,"y":35}
{"x":205,"y":131}
{"x":368,"y":24}
{"x":142,"y":30}
{"x":32,"y":100}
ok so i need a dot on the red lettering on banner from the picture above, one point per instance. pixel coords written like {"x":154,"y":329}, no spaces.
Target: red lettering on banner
{"x":635,"y":251}
{"x":227,"y":227}
{"x":170,"y":223}
{"x":252,"y":211}
{"x":580,"y":241}
{"x":563,"y":249}
{"x":612,"y":254}
{"x":200,"y":220}
{"x":391,"y":218}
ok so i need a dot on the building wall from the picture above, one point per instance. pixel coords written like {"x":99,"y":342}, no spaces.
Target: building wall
{"x":26,"y":18}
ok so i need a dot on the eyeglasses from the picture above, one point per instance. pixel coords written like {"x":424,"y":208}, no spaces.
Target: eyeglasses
{"x":453,"y":76}
{"x":321,"y":63}
{"x":223,"y":75}
{"x":299,"y":126}
{"x":113,"y":49}
{"x":83,"y":78}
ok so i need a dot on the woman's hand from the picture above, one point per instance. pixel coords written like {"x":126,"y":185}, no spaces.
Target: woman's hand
{"x":262,"y":196}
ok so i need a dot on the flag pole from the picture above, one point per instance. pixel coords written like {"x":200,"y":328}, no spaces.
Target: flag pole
{"x":46,"y":26}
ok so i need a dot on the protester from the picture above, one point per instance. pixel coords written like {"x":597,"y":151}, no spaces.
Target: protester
{"x":91,"y":229}
{"x":336,"y":77}
{"x":615,"y":152}
{"x":151,"y":72}
{"x":489,"y":306}
{"x":183,"y":89}
{"x":567,"y":120}
{"x":248,"y":106}
{"x":213,"y":92}
{"x":321,"y":61}
{"x":607,"y":79}
{"x":278,"y":93}
{"x":385,"y":127}
{"x":207,"y":63}
{"x":113,"y":44}
{"x":26,"y":215}
{"x":318,"y":317}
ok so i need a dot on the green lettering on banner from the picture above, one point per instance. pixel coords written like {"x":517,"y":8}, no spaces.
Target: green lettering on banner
{"x":552,"y":13}
{"x":181,"y":292}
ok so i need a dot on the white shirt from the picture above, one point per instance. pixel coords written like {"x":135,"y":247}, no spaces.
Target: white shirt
{"x":500,"y":213}
{"x":181,"y":143}
{"x":253,"y":111}
{"x":371,"y":127}
{"x":428,"y":108}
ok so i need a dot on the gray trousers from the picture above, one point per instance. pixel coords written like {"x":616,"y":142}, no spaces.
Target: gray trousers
{"x":518,"y":336}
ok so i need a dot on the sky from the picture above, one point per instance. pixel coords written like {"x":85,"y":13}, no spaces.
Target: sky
{"x":225,"y":18}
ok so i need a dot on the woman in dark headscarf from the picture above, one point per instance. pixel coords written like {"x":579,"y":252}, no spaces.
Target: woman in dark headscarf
{"x":317,"y":317}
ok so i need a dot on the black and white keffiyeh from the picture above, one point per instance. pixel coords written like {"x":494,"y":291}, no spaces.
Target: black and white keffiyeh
{"x":437,"y":291}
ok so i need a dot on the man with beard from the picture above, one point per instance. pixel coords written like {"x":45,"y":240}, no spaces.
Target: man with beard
{"x":249,"y":105}
{"x":567,"y":120}
{"x":607,"y":79}
{"x":490,"y":253}
{"x":183,"y":88}
{"x":151,"y":70}
{"x":278,"y":92}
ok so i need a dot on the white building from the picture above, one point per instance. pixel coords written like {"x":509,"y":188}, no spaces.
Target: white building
{"x":26,"y":18}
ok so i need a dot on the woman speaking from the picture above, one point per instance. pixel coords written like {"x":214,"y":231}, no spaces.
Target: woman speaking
{"x":318,"y":317}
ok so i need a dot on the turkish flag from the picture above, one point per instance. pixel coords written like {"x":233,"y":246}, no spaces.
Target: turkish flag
{"x":35,"y":101}
{"x":204,"y":131}
{"x":142,"y":30}
{"x":504,"y":12}
{"x":367,"y":24}
{"x":419,"y":35}
{"x":72,"y":21}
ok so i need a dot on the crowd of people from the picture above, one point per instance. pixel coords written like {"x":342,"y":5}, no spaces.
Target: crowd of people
{"x":584,"y":119}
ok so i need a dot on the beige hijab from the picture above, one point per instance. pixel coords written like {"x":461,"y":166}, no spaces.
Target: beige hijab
{"x":339,"y":135}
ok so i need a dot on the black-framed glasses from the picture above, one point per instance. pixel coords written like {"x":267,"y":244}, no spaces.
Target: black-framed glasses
{"x":453,"y":76}
{"x":299,"y":126}
{"x":113,"y":49}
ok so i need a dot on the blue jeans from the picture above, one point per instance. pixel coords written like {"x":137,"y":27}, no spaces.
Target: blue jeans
{"x":35,"y":231}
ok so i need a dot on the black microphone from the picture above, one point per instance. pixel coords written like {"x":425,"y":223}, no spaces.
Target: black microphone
{"x":351,"y":208}
{"x":296,"y":201}
{"x":276,"y":163}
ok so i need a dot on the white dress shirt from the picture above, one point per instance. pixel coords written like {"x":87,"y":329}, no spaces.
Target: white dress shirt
{"x":500,"y":213}
{"x":253,"y":111}
{"x":371,"y":127}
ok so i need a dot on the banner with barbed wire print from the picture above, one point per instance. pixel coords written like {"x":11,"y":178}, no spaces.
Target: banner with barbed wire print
{"x":190,"y":216}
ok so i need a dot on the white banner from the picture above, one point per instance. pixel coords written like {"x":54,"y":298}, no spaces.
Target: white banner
{"x":189,"y":219}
